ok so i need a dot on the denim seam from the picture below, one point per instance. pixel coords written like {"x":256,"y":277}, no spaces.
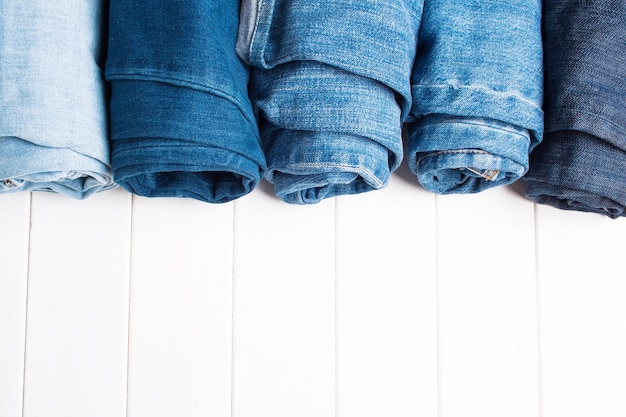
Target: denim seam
{"x":620,"y":129}
{"x":479,"y":88}
{"x":268,"y":22}
{"x":429,"y":155}
{"x":181,"y":83}
{"x":456,"y":151}
{"x":358,"y":169}
{"x":164,"y":146}
{"x":378,"y":76}
{"x":549,"y":180}
{"x":255,"y":29}
{"x":125,"y":149}
{"x":427,"y":125}
{"x":204,"y":170}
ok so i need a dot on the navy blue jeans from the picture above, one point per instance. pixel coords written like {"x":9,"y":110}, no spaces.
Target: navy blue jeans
{"x":181,"y":121}
{"x":581,"y":164}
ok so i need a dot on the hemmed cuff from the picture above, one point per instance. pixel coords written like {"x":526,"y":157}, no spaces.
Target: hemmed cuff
{"x":326,"y":132}
{"x":509,"y":108}
{"x":29,"y":167}
{"x":306,"y":167}
{"x":171,"y":141}
{"x":451,"y":154}
{"x":573,"y":170}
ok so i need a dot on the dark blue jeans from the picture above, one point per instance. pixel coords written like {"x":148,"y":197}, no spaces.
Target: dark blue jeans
{"x":581,"y":164}
{"x":181,"y":121}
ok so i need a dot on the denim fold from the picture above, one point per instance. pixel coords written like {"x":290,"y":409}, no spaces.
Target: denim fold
{"x":330,"y":86}
{"x":181,"y":121}
{"x":53,"y":113}
{"x":581,"y":164}
{"x":476,"y":94}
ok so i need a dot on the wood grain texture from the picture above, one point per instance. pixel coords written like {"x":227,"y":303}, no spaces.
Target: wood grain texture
{"x":180,"y":309}
{"x":488,"y":362}
{"x":582,"y":284}
{"x":386,"y":303}
{"x":14,"y":224}
{"x":283,"y":308}
{"x":76,"y":339}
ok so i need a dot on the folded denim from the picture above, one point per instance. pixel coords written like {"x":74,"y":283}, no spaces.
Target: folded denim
{"x":582,"y":163}
{"x":53,"y":128}
{"x":593,"y":179}
{"x":330,"y":87}
{"x":477,"y":94}
{"x":181,"y":121}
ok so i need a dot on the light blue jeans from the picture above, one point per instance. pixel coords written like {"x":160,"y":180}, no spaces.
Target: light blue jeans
{"x":330,"y":87}
{"x":333,"y":81}
{"x":53,"y":119}
{"x":477,"y":94}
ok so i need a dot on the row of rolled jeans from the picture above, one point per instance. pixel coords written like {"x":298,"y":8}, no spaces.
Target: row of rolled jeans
{"x":202,"y":98}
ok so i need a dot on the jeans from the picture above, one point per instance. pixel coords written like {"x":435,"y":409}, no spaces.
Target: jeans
{"x":330,"y":88}
{"x":53,"y":118}
{"x":581,"y":165}
{"x":477,"y":94}
{"x":181,"y":121}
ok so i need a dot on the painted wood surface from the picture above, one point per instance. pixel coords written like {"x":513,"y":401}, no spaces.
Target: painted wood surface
{"x":582,"y":284}
{"x":396,"y":302}
{"x":487,"y":305}
{"x":180,"y":309}
{"x":387,"y":303}
{"x":14,"y":227}
{"x":76,"y":331}
{"x":284,"y":302}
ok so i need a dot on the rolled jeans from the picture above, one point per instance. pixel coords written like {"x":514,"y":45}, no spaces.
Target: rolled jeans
{"x":581,"y":165}
{"x":477,"y":94}
{"x":330,"y":88}
{"x":181,"y":121}
{"x":53,"y":116}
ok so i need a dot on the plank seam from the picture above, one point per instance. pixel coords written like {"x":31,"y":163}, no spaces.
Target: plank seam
{"x":335,"y":330}
{"x":130,"y":275}
{"x":232,"y":310}
{"x":437,"y":299}
{"x":538,"y":312}
{"x":30,"y":227}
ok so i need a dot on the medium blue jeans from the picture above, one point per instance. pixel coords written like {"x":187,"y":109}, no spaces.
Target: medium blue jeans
{"x":181,"y":121}
{"x":581,"y":165}
{"x":477,"y":94}
{"x":330,"y":87}
{"x":53,"y":118}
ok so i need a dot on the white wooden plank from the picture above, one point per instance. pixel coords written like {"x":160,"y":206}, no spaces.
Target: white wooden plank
{"x":283,"y":360}
{"x":582,"y":283}
{"x":180,"y":309}
{"x":76,"y":341}
{"x":14,"y":224}
{"x":488,"y":360}
{"x":386,"y":303}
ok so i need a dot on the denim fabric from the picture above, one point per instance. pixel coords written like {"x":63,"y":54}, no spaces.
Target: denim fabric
{"x":53,"y":120}
{"x":330,"y":87}
{"x":477,"y":94}
{"x":581,"y":165}
{"x":181,"y":121}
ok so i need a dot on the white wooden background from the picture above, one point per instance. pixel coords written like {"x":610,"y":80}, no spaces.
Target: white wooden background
{"x":393,"y":303}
